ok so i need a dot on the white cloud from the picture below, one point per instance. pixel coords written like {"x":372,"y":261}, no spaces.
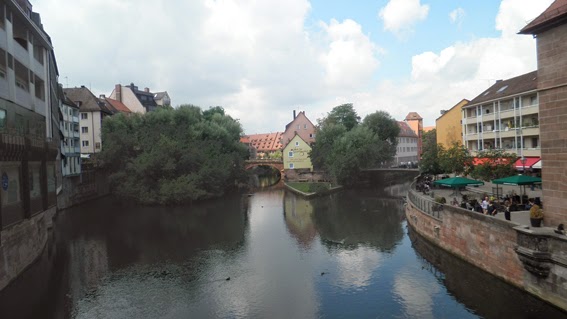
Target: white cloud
{"x":456,"y":16}
{"x":400,"y":16}
{"x":262,"y":59}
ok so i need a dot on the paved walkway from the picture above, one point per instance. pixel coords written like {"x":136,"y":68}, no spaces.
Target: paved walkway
{"x":519,"y":217}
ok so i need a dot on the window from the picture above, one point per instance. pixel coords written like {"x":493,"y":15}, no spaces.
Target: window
{"x":97,"y":145}
{"x":290,"y":154}
{"x":304,"y":126}
{"x":296,"y":143}
{"x":311,"y":135}
{"x":85,"y":143}
{"x":291,"y":166}
{"x":298,"y":126}
{"x":2,"y":119}
{"x":84,"y":129}
{"x":84,"y":116}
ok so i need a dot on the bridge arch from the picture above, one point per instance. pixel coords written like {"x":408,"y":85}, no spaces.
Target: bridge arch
{"x":271,"y":163}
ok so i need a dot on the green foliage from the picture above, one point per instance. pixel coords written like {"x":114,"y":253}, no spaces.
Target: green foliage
{"x":277,"y":155}
{"x":344,"y":115}
{"x":173,"y":156}
{"x":455,"y":159}
{"x":497,"y":164}
{"x":429,"y":163}
{"x":345,"y":149}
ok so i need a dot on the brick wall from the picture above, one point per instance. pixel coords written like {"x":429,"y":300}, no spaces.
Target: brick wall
{"x":22,"y":244}
{"x":552,"y":84}
{"x":491,"y":244}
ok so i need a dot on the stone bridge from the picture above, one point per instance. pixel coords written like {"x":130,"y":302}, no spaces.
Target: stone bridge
{"x":277,"y":164}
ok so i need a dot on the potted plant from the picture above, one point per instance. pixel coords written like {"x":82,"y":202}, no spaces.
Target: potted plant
{"x":536,"y":216}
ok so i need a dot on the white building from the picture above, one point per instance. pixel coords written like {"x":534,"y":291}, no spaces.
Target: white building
{"x":406,"y":152}
{"x":505,"y":117}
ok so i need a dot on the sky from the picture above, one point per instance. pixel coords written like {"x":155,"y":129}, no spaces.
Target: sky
{"x":262,"y":59}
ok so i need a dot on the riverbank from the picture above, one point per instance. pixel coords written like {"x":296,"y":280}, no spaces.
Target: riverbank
{"x":531,"y":259}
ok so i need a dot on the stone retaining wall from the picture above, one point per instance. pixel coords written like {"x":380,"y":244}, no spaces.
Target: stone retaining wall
{"x":516,"y":255}
{"x":22,"y":243}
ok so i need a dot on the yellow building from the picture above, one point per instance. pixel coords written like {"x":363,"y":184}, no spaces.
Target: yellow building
{"x":296,"y":154}
{"x":448,"y":125}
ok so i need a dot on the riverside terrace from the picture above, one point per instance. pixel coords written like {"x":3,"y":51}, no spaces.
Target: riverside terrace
{"x":520,"y":217}
{"x":533,"y":259}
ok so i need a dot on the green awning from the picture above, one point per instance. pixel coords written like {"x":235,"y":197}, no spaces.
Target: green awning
{"x":458,"y":182}
{"x":518,"y":180}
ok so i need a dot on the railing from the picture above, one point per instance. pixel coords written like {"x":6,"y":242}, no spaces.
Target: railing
{"x":426,"y":205}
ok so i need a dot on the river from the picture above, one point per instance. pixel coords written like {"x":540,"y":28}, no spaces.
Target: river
{"x":268,"y":254}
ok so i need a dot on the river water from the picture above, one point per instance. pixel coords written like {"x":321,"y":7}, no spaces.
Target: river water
{"x":268,"y":254}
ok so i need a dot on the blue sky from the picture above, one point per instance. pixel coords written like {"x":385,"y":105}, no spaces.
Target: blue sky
{"x":261,"y":60}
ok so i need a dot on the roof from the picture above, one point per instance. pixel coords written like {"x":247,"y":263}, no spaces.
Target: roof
{"x":300,"y":113}
{"x":413,"y":116}
{"x":553,"y":16}
{"x":160,"y":95}
{"x":405,"y":130}
{"x":504,"y":88}
{"x":117,"y":106}
{"x":145,"y":98}
{"x":265,"y":142}
{"x":462,"y":103}
{"x":86,"y":100}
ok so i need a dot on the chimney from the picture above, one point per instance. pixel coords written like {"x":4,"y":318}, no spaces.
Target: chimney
{"x":102,"y":97}
{"x":118,"y":92}
{"x":294,"y":114}
{"x":147,"y":90}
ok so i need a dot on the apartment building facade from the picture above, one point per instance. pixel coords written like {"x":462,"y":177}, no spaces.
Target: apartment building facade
{"x":506,"y":117}
{"x":29,"y":137}
{"x":71,"y":142}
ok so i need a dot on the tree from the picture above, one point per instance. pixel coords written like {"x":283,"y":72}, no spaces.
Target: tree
{"x":455,"y":159}
{"x":494,"y":164}
{"x":343,"y":114}
{"x":173,"y":156}
{"x":429,"y":163}
{"x":386,"y":129}
{"x":345,"y":149}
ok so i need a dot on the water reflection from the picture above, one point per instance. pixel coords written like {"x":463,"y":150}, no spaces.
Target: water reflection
{"x":298,"y":213}
{"x":485,"y":295}
{"x":352,"y":218}
{"x":269,"y":254}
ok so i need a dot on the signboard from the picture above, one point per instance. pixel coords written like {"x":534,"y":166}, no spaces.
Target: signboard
{"x":5,"y":181}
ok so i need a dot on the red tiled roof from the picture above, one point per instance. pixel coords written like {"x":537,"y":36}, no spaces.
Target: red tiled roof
{"x":405,"y":130}
{"x":266,"y":142}
{"x":118,"y":106}
{"x":553,"y":16}
{"x":413,"y":116}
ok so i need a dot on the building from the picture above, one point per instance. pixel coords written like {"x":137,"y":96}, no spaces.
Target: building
{"x":505,"y":117}
{"x":29,"y":137}
{"x":300,"y":125}
{"x":92,"y":111}
{"x":162,"y":98}
{"x":264,"y":144}
{"x":406,"y":152}
{"x":71,"y":142}
{"x":448,"y":125}
{"x":296,"y":155}
{"x":415,"y":122}
{"x":139,"y":101}
{"x":550,"y":29}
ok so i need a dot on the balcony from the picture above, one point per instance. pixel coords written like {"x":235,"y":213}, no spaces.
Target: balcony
{"x":20,"y":53}
{"x":24,"y":99}
{"x":508,"y":114}
{"x":75,"y":119}
{"x":76,"y":134}
{"x":530,"y":131}
{"x":489,"y":135}
{"x":531,"y":109}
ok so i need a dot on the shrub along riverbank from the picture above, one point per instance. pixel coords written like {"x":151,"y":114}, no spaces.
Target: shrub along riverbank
{"x":173,"y":156}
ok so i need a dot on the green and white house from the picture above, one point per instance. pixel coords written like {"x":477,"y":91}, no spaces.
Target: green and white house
{"x":296,"y":155}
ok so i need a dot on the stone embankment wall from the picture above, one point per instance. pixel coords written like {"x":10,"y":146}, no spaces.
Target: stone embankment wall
{"x":533,"y":260}
{"x":79,"y":189}
{"x":22,"y":243}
